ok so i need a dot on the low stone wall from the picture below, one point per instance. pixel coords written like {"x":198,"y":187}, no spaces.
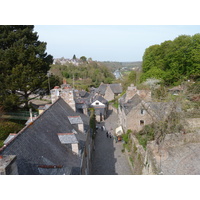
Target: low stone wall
{"x":136,"y":156}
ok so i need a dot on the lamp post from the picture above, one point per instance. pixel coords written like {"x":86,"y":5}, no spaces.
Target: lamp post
{"x":48,"y":75}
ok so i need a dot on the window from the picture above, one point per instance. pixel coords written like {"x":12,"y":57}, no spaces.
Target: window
{"x":141,"y":122}
{"x":142,"y":111}
{"x":97,"y":103}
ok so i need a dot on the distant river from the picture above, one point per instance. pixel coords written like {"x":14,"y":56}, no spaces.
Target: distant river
{"x":117,"y":74}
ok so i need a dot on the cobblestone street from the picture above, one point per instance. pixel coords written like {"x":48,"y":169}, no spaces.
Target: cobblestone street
{"x":108,"y":158}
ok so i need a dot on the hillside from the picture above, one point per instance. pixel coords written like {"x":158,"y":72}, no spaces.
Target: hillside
{"x":83,"y":75}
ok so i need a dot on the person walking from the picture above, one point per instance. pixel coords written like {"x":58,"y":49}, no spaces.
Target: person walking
{"x":107,"y":134}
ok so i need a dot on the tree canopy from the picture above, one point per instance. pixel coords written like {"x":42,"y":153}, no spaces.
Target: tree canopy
{"x":173,"y":61}
{"x":87,"y":74}
{"x":23,"y":64}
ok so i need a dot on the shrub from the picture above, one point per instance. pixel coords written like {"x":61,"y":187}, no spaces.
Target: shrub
{"x":7,"y":127}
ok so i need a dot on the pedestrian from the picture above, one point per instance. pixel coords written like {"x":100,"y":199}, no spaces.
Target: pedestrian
{"x":110,"y":135}
{"x":107,"y":134}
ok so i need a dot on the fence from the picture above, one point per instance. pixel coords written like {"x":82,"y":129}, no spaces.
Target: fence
{"x":23,"y":115}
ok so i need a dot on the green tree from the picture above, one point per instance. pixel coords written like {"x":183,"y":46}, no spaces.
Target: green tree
{"x":23,"y":64}
{"x":83,"y":58}
{"x":74,"y":57}
{"x":173,"y":61}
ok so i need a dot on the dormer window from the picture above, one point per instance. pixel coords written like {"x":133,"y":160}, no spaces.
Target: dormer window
{"x":97,"y":103}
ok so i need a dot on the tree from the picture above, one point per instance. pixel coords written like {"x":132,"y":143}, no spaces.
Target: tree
{"x":83,"y":58}
{"x":173,"y":61}
{"x":74,"y":57}
{"x":23,"y":64}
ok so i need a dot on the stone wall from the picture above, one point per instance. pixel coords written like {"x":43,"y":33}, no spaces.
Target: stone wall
{"x":135,"y":156}
{"x":155,"y":155}
{"x":135,"y":117}
{"x":149,"y":162}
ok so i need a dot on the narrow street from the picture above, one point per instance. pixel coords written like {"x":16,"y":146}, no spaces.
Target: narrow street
{"x":108,"y":158}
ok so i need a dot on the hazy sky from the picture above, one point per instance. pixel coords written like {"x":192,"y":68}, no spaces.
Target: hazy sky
{"x":108,"y":42}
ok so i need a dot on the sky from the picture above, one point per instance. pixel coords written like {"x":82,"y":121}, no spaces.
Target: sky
{"x":122,"y":43}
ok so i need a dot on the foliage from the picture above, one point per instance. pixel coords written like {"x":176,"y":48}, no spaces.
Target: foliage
{"x":24,"y":64}
{"x":173,"y":61}
{"x":83,"y":58}
{"x":85,"y":75}
{"x":145,"y":135}
{"x":127,"y":142}
{"x":7,"y":127}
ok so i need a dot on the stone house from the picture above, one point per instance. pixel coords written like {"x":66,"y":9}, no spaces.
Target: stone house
{"x":137,"y":110}
{"x":132,"y":114}
{"x":57,"y":142}
{"x":136,"y":113}
{"x":109,"y":91}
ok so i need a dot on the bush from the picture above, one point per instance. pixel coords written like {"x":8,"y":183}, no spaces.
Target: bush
{"x":145,"y":135}
{"x":7,"y":127}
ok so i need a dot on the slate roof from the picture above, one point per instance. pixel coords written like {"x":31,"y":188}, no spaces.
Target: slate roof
{"x":116,"y":88}
{"x":134,"y":101}
{"x":99,"y":98}
{"x":161,"y":109}
{"x":38,"y":142}
{"x":67,"y":138}
{"x":101,"y":89}
{"x":75,"y":120}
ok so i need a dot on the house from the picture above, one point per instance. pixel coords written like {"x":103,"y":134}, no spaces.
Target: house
{"x":135,"y":113}
{"x":132,"y":114}
{"x":57,"y":142}
{"x":100,"y":106}
{"x":109,"y":91}
{"x":137,"y":110}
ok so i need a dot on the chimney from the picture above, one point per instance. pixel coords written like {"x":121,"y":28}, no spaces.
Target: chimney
{"x":64,"y":81}
{"x":1,"y":157}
